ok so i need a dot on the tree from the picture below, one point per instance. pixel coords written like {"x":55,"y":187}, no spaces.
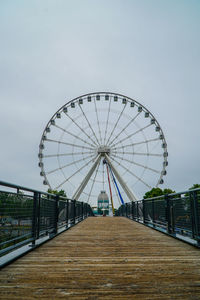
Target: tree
{"x":56,"y":192}
{"x":195,"y":186}
{"x":15,"y":206}
{"x":168,"y":191}
{"x":155,"y":192}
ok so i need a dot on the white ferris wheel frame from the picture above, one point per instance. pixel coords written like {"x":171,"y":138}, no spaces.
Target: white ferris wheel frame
{"x":100,"y":147}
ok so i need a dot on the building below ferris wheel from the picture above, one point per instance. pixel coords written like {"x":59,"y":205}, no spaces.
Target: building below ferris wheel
{"x":103,"y":204}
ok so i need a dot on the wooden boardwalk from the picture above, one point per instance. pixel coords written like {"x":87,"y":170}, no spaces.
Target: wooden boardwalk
{"x":105,"y":258}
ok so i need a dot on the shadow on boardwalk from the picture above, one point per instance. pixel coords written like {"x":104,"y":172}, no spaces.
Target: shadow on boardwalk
{"x":106,"y":258}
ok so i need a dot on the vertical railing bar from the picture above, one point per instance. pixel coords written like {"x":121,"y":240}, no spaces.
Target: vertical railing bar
{"x":191,"y":197}
{"x":168,"y":217}
{"x":38,"y":215}
{"x":172,"y":215}
{"x":56,"y":212}
{"x":74,"y":212}
{"x":82,"y":213}
{"x":144,"y":211}
{"x":34,"y":217}
{"x":153,"y":212}
{"x":67,"y":213}
{"x":132,"y":210}
{"x":196,"y":216}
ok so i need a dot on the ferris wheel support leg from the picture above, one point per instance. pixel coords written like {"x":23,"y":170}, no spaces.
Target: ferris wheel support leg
{"x":86,"y":179}
{"x":126,"y":189}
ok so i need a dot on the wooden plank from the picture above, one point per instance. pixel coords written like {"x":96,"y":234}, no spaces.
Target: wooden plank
{"x":106,"y":258}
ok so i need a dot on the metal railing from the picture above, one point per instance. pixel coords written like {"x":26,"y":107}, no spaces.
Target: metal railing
{"x":27,"y":216}
{"x":176,"y":214}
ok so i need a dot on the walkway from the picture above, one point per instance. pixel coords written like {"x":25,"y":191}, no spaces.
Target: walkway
{"x":106,"y":258}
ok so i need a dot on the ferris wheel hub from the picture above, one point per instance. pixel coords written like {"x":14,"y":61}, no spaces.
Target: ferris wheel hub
{"x":102,"y":150}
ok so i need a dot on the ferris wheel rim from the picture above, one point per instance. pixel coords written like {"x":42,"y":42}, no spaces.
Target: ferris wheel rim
{"x":165,"y":163}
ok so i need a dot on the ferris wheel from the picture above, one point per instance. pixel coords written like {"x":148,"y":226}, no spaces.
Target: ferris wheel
{"x":102,"y":138}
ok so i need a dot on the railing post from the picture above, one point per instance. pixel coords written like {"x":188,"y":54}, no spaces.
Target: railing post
{"x":196,"y":217}
{"x":131,"y":210}
{"x":38,"y":216}
{"x":143,"y":207}
{"x":153,"y":212}
{"x":137,"y":212}
{"x":172,"y":215}
{"x":34,"y":217}
{"x":82,"y":212}
{"x":67,"y":213}
{"x":56,"y":212}
{"x":86,"y":210}
{"x":74,"y":211}
{"x":167,"y":213}
{"x":126,"y":210}
{"x":191,"y":199}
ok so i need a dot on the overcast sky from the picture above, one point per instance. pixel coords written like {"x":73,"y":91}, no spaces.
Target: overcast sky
{"x":52,"y":51}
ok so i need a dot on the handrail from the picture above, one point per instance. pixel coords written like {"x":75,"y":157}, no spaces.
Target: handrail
{"x":172,"y":194}
{"x":28,"y":219}
{"x":176,"y":214}
{"x":19,"y":187}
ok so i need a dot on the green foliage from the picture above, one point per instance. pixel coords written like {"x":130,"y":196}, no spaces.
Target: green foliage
{"x":155,"y":192}
{"x":195,"y":186}
{"x":168,"y":191}
{"x":56,"y":192}
{"x":16,"y":206}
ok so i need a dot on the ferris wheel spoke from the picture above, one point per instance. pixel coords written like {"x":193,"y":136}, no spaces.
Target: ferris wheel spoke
{"x":116,"y":124}
{"x":107,"y":122}
{"x":89,"y":125}
{"x":86,"y":179}
{"x":131,"y":121}
{"x":137,"y":164}
{"x":132,"y":134}
{"x":135,"y":144}
{"x":81,"y":128}
{"x":97,"y":169}
{"x":139,"y":153}
{"x":68,"y":144}
{"x":76,"y":136}
{"x":123,"y":184}
{"x":98,"y":121}
{"x":85,"y":165}
{"x":67,"y":154}
{"x":116,"y":190}
{"x":130,"y":172}
{"x":70,"y":164}
{"x":103,"y":177}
